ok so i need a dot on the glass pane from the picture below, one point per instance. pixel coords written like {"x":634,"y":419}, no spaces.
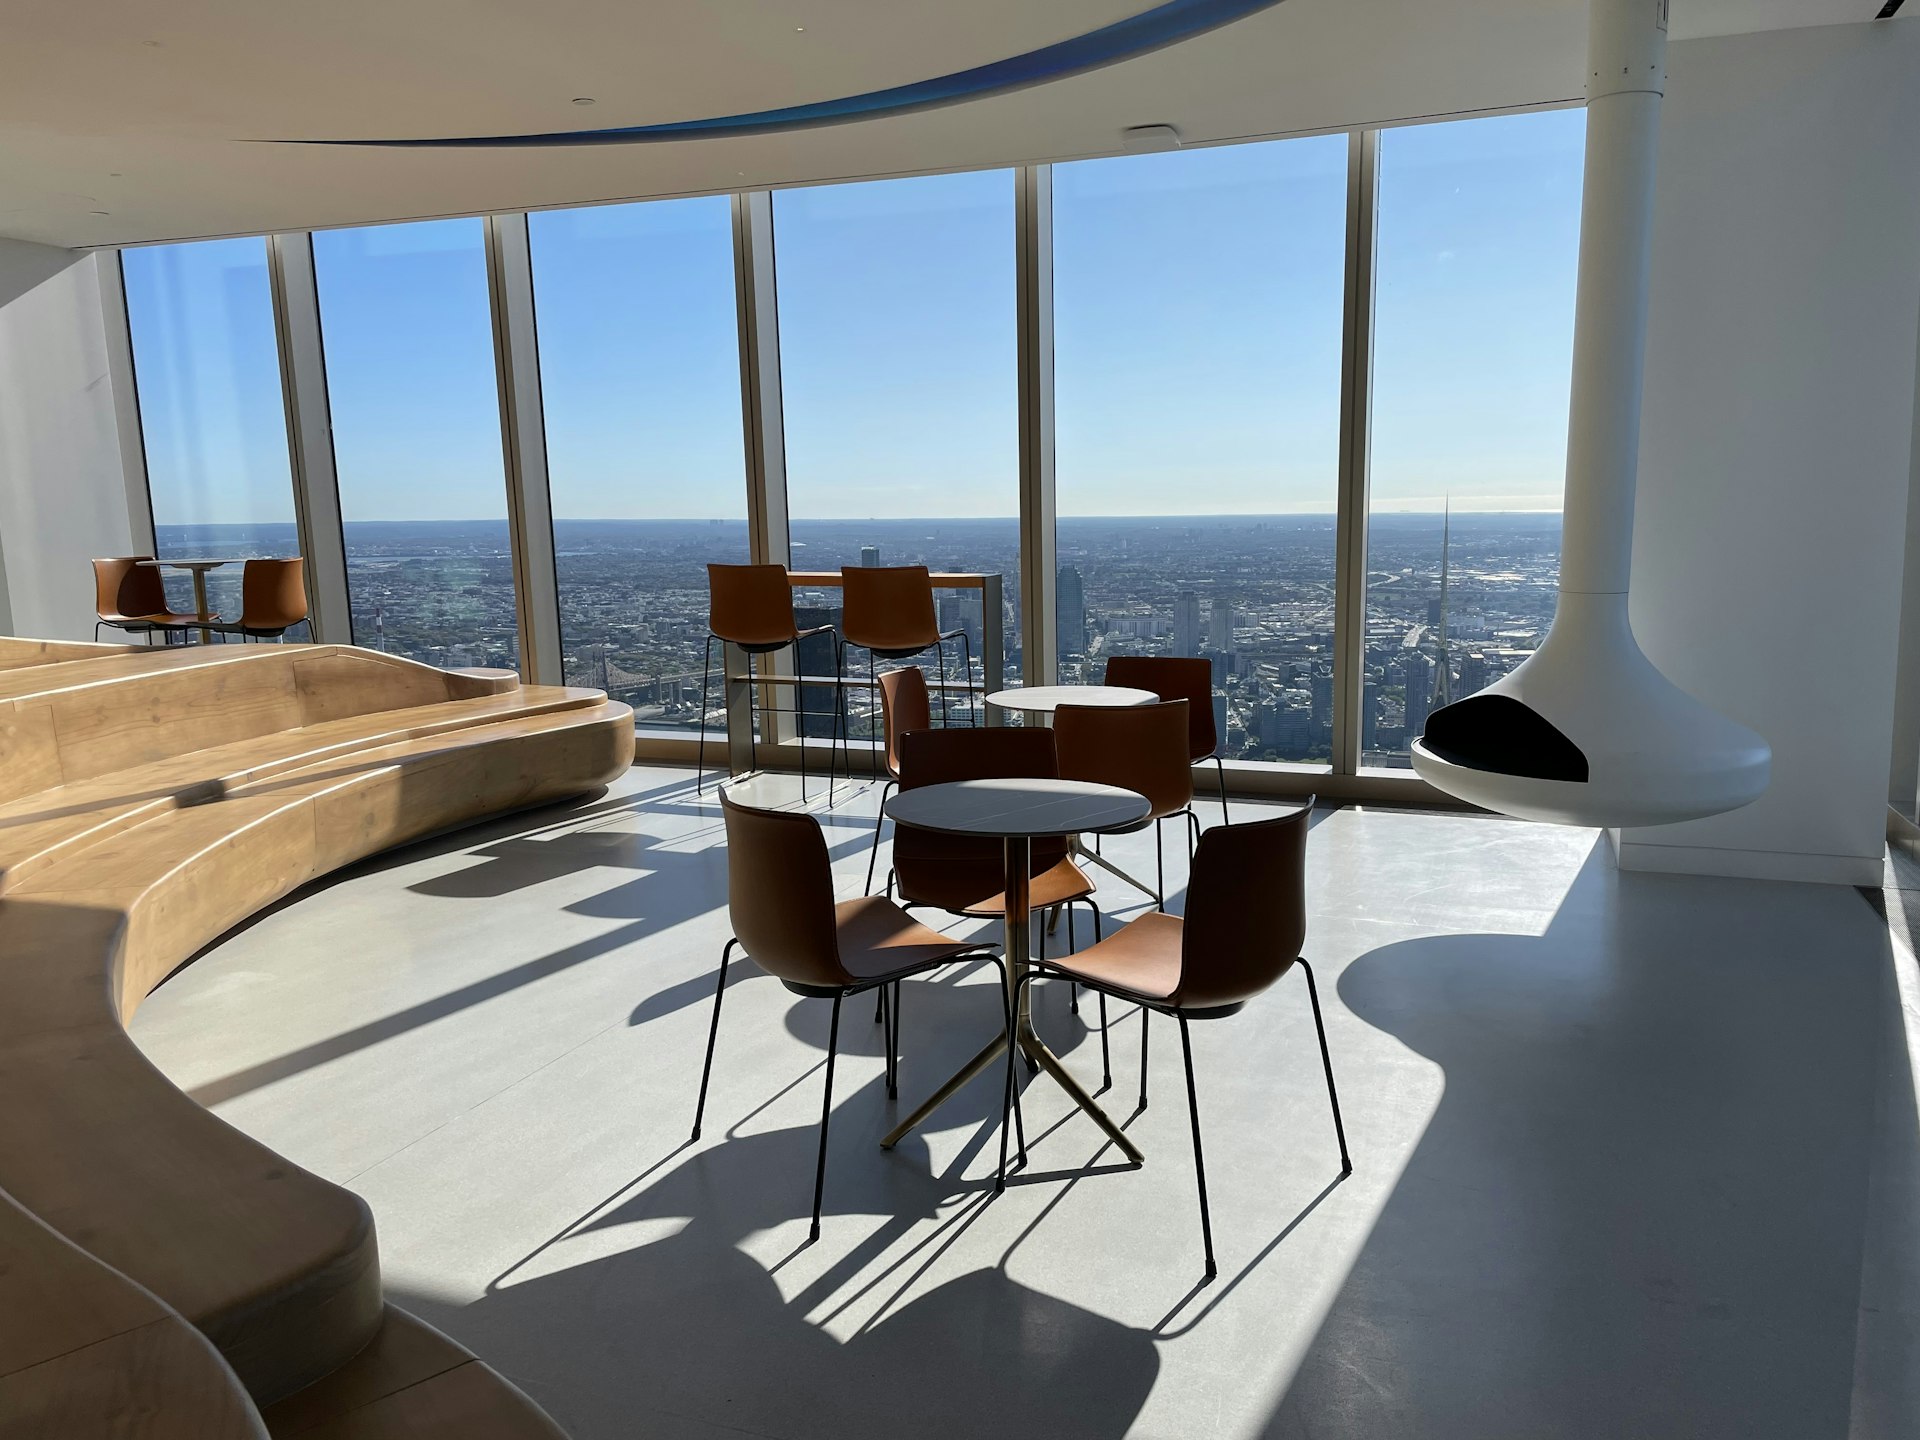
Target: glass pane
{"x":207,"y":374}
{"x":1198,"y":307}
{"x":640,"y":376}
{"x":898,"y":376}
{"x":416,"y":436}
{"x":1478,"y":241}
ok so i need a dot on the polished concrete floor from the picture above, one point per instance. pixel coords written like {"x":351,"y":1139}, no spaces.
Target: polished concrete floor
{"x":1635,"y":1155}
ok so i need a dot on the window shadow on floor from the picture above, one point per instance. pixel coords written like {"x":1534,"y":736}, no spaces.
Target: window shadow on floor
{"x":1638,"y":1209}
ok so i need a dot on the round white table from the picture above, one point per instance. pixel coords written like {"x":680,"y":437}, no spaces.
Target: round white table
{"x":1045,"y":699}
{"x":1015,"y":811}
{"x":199,"y":565}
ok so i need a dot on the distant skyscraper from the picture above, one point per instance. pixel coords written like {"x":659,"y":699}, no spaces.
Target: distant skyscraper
{"x":1186,"y":623}
{"x":1071,"y":617}
{"x":1220,"y":635}
{"x":1416,"y":677}
{"x":869,"y":555}
{"x":1473,"y":674}
{"x":1369,"y":718}
{"x":1442,"y":666}
{"x":1220,"y":720}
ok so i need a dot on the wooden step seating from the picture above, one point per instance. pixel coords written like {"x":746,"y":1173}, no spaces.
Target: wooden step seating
{"x":112,"y":874}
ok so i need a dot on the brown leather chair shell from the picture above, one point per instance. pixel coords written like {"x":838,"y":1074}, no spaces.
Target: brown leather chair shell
{"x":888,"y":609}
{"x":960,"y":873}
{"x":1246,"y":919}
{"x":273,"y":594}
{"x":904,"y":706}
{"x":1140,"y":747}
{"x":1174,"y":677}
{"x":124,"y":589}
{"x":751,"y":606}
{"x":780,"y":894}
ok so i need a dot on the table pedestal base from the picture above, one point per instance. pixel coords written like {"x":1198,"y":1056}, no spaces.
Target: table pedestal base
{"x":1019,"y":858}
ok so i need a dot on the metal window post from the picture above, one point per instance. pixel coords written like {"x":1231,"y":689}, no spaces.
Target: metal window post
{"x":1356,"y":416}
{"x":126,"y":401}
{"x":303,"y":392}
{"x":1033,"y":270}
{"x":523,"y":444}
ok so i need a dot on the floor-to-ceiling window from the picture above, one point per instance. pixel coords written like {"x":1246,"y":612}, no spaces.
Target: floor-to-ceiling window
{"x":408,"y":335}
{"x":207,"y":373}
{"x":1198,"y":301}
{"x":1476,"y":245}
{"x":898,"y":375}
{"x":640,"y":381}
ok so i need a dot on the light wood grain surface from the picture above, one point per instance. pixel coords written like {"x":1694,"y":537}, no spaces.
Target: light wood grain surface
{"x":151,"y":801}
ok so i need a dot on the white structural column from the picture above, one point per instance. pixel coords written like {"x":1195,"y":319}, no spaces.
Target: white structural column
{"x":1356,"y":419}
{"x":120,"y":379}
{"x":523,"y":441}
{"x":303,"y":391}
{"x":1039,"y":550}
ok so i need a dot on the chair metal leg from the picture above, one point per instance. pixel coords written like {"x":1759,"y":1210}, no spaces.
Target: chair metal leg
{"x":946,"y":707}
{"x":893,"y":1043}
{"x":706,"y":673}
{"x":713,"y":1034}
{"x":1220,"y":768}
{"x":1145,"y":1015}
{"x":826,"y":1114}
{"x":1326,"y":1063}
{"x":1159,"y":870}
{"x":800,"y":720}
{"x":966,"y":678}
{"x":879,"y":823}
{"x":1199,"y":1161}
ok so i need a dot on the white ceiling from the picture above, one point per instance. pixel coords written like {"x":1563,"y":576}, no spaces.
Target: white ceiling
{"x":130,"y":120}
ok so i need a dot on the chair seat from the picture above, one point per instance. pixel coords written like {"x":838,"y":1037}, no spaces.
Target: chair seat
{"x":878,"y":938}
{"x":1141,"y":959}
{"x":977,"y":891}
{"x":164,"y":617}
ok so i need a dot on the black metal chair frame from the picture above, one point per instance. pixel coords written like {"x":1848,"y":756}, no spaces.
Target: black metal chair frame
{"x":1010,"y":1101}
{"x":1041,"y":969}
{"x":799,"y":709}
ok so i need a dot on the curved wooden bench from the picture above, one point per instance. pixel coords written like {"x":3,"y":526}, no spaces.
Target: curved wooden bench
{"x":115,"y":873}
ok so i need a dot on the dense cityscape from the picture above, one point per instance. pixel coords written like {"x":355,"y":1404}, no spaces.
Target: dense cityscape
{"x":1253,"y":594}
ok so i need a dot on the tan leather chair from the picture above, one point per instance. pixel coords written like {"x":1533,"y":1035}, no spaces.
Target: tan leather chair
{"x":1141,"y":748}
{"x":273,"y":599}
{"x":1245,"y":923}
{"x":888,"y":611}
{"x":1179,"y":677}
{"x":780,"y":898}
{"x":132,"y":597}
{"x":903,"y":706}
{"x":966,"y":876}
{"x":751,"y":606}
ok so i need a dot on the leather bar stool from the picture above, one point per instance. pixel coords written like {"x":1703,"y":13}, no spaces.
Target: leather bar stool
{"x":751,"y":606}
{"x":1245,"y":924}
{"x":888,"y":611}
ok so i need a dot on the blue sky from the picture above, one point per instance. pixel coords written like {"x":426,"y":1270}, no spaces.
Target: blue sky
{"x":1198,"y":325}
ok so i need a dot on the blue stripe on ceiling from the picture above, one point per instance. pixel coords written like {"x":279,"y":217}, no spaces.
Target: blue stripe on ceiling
{"x":1165,"y":24}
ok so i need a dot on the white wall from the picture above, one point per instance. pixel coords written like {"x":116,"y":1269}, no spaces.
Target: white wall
{"x":64,"y":493}
{"x":1776,"y":440}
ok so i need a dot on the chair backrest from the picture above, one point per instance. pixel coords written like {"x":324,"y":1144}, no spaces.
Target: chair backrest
{"x":1137,"y":747}
{"x":888,"y":609}
{"x":934,"y":869}
{"x":123,"y":586}
{"x":904,"y":706}
{"x":780,"y":893}
{"x":1246,"y":911}
{"x":273,"y":593}
{"x":1174,"y":677}
{"x":750,"y":604}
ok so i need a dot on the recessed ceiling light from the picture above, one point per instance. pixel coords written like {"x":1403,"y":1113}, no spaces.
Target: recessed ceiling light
{"x":799,"y":29}
{"x":583,"y":99}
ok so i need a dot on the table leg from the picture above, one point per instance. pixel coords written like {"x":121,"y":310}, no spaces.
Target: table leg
{"x":1019,"y":930}
{"x":1096,"y":858}
{"x":200,"y":604}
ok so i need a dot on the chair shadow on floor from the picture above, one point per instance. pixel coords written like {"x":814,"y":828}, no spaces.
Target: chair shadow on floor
{"x":691,"y":1334}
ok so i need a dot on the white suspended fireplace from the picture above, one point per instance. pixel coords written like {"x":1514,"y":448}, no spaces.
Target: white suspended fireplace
{"x":1587,"y":731}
